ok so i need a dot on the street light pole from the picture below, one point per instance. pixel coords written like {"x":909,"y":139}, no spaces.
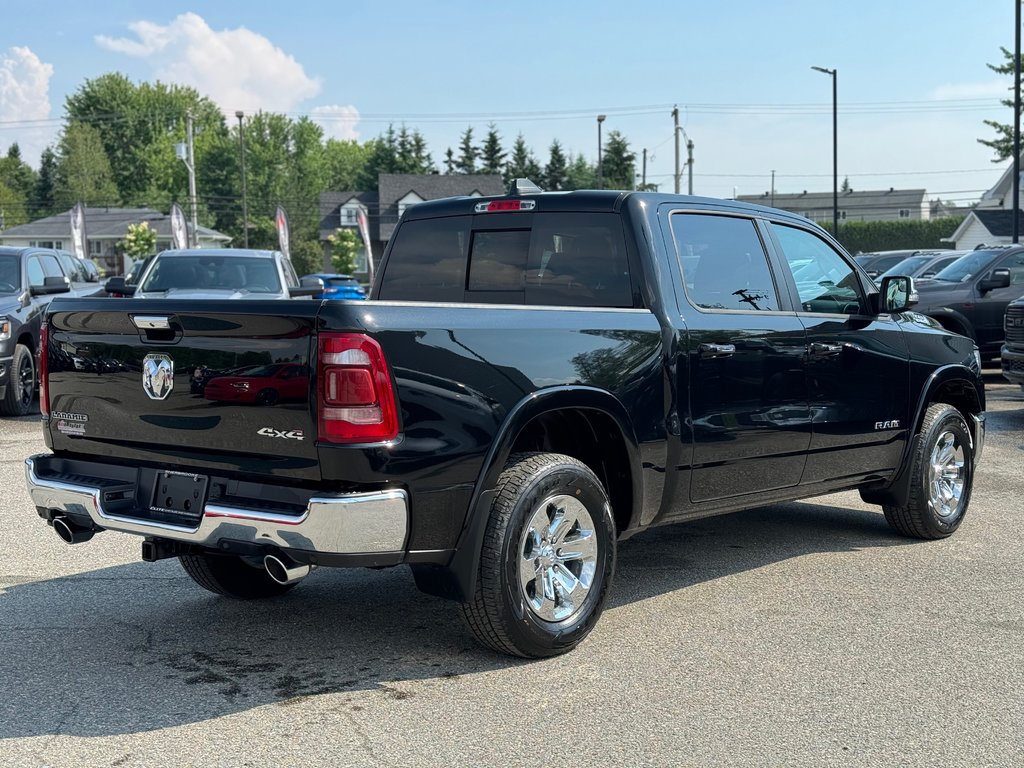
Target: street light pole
{"x":835,"y":151}
{"x":245,"y":197}
{"x":600,"y":170}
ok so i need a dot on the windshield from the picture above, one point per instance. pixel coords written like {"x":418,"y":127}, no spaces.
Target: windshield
{"x":205,"y":272}
{"x":966,"y":267}
{"x":10,"y":274}
{"x":907,"y":266}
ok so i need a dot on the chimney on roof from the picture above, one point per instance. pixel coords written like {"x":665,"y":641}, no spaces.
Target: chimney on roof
{"x":891,"y":189}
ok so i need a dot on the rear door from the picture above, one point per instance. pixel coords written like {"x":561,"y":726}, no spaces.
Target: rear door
{"x":749,"y":426}
{"x":992,"y":304}
{"x":128,"y":376}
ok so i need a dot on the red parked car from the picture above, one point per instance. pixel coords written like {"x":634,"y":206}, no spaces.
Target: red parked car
{"x":261,"y":384}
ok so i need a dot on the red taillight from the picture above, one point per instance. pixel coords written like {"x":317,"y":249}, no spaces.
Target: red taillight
{"x":44,"y":369}
{"x":355,"y":400}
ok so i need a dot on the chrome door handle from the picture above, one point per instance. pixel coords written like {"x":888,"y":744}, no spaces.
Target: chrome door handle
{"x":819,"y":349}
{"x":711,"y":351}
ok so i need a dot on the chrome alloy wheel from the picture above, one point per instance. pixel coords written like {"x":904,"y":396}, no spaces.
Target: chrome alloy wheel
{"x":947,"y":476}
{"x":557,"y":558}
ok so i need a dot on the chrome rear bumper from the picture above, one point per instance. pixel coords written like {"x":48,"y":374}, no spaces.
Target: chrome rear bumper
{"x":348,"y":524}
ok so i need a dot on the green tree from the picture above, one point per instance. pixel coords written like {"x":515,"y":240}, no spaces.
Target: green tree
{"x":492,"y":156}
{"x":16,"y":173}
{"x":131,"y":118}
{"x":13,"y":210}
{"x":468,"y":153}
{"x":580,"y":174}
{"x":83,"y":171}
{"x":140,"y":241}
{"x":42,"y":202}
{"x":522,"y":164}
{"x":343,"y":163}
{"x":307,"y":256}
{"x":449,"y":162}
{"x":1002,"y":144}
{"x":846,"y":185}
{"x":382,"y":158}
{"x":344,"y":250}
{"x":556,"y":171}
{"x":411,"y":155}
{"x":618,"y":163}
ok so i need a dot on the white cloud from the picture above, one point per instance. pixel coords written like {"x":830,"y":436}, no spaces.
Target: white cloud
{"x":237,"y":68}
{"x":24,"y":98}
{"x":338,"y":122}
{"x":992,"y":89}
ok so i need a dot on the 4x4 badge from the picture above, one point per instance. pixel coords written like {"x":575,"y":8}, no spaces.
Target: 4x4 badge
{"x":157,"y":376}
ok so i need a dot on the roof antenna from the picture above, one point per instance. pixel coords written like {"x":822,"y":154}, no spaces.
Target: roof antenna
{"x":521,"y":187}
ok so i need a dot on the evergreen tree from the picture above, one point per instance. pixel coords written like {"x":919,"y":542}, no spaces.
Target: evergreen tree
{"x":492,"y":156}
{"x":13,"y":210}
{"x":556,"y":171}
{"x":522,"y":165}
{"x":16,"y":174}
{"x":618,"y":163}
{"x":42,"y":200}
{"x":449,"y":162}
{"x":467,"y":153}
{"x":423,"y":163}
{"x":1003,"y":143}
{"x":580,"y":174}
{"x":383,"y":158}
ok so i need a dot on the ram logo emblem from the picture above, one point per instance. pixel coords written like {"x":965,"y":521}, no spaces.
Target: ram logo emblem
{"x":894,"y":424}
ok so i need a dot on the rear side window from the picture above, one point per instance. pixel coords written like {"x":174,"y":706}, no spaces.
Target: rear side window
{"x":549,"y":259}
{"x":723,"y":262}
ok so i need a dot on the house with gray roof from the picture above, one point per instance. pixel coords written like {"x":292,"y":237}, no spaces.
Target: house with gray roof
{"x":871,"y":205}
{"x":396,"y":192}
{"x":984,"y":226}
{"x":105,"y":228}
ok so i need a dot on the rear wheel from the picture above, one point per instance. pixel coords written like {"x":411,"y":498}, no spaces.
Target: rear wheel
{"x":21,"y":383}
{"x":941,"y":476}
{"x":547,"y":558}
{"x":266,"y":397}
{"x":231,"y":576}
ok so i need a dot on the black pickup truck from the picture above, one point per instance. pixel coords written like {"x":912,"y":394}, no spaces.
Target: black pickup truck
{"x":536,"y":377}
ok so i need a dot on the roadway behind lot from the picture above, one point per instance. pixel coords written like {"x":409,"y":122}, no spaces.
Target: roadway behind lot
{"x":799,"y":634}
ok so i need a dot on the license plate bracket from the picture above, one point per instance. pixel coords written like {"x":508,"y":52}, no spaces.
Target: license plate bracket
{"x":180,"y":494}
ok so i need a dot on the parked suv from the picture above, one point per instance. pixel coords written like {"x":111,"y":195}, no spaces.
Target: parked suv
{"x":28,"y":279}
{"x":1012,"y":352}
{"x":970,"y":296}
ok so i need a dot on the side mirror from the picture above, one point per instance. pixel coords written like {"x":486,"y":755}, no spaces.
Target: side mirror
{"x":897,"y":294}
{"x":308,"y":286}
{"x":50,"y":286}
{"x":999,"y":278}
{"x":116,"y":286}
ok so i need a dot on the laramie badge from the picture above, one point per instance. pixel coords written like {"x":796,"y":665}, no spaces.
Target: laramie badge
{"x":157,"y":376}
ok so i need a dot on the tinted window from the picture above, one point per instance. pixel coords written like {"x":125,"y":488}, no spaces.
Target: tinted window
{"x":907,"y":266}
{"x":1016,"y":266}
{"x":565,"y":259}
{"x":51,"y":267}
{"x":231,"y":273}
{"x":967,"y":267}
{"x":427,"y":261}
{"x":35,"y":271}
{"x":824,"y":281}
{"x":723,"y":262}
{"x":289,"y":273}
{"x":74,"y":270}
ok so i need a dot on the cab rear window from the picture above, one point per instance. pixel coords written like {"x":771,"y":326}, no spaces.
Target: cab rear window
{"x":552,"y":259}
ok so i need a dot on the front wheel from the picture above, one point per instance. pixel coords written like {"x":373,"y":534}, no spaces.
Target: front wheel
{"x":21,"y":383}
{"x":547,"y":558}
{"x":941,"y":476}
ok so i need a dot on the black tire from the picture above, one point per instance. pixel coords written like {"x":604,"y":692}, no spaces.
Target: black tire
{"x":927,"y":515}
{"x":501,"y":613}
{"x":231,"y":576}
{"x":21,"y":383}
{"x":266,"y":397}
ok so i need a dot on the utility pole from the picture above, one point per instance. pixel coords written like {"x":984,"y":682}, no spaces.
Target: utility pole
{"x":245,"y":198}
{"x":689,"y":165}
{"x":600,"y":169}
{"x":773,"y":188}
{"x":675,"y":131}
{"x":643,"y":177}
{"x":1016,"y":124}
{"x":192,"y":180}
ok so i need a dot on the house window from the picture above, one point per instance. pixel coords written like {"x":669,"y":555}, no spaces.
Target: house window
{"x":406,"y":204}
{"x":349,"y":216}
{"x":95,"y":248}
{"x":58,"y":244}
{"x":904,"y":213}
{"x":842,"y":215}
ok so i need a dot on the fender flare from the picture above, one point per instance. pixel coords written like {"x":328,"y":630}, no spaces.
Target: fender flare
{"x":896,"y":492}
{"x":464,"y":565}
{"x":960,"y":319}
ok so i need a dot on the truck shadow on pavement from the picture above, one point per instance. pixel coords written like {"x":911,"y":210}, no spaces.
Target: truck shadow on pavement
{"x":139,"y":647}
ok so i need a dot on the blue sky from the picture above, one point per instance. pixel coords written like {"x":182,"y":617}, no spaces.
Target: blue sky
{"x":913,"y":85}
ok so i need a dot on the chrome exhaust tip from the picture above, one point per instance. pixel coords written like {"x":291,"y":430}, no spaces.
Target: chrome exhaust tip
{"x":71,"y":533}
{"x":285,"y":571}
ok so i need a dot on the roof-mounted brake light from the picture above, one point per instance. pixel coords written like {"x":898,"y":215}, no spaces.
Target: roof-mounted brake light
{"x":496,"y":206}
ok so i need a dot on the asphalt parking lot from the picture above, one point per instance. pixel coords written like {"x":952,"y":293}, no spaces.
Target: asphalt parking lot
{"x":800,"y":634}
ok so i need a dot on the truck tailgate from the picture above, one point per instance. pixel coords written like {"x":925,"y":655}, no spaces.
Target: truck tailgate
{"x":214,"y":384}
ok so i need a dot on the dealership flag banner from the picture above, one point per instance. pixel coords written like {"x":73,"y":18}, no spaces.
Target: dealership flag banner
{"x":364,"y":232}
{"x":78,"y":230}
{"x":281,"y":220}
{"x":179,"y":232}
